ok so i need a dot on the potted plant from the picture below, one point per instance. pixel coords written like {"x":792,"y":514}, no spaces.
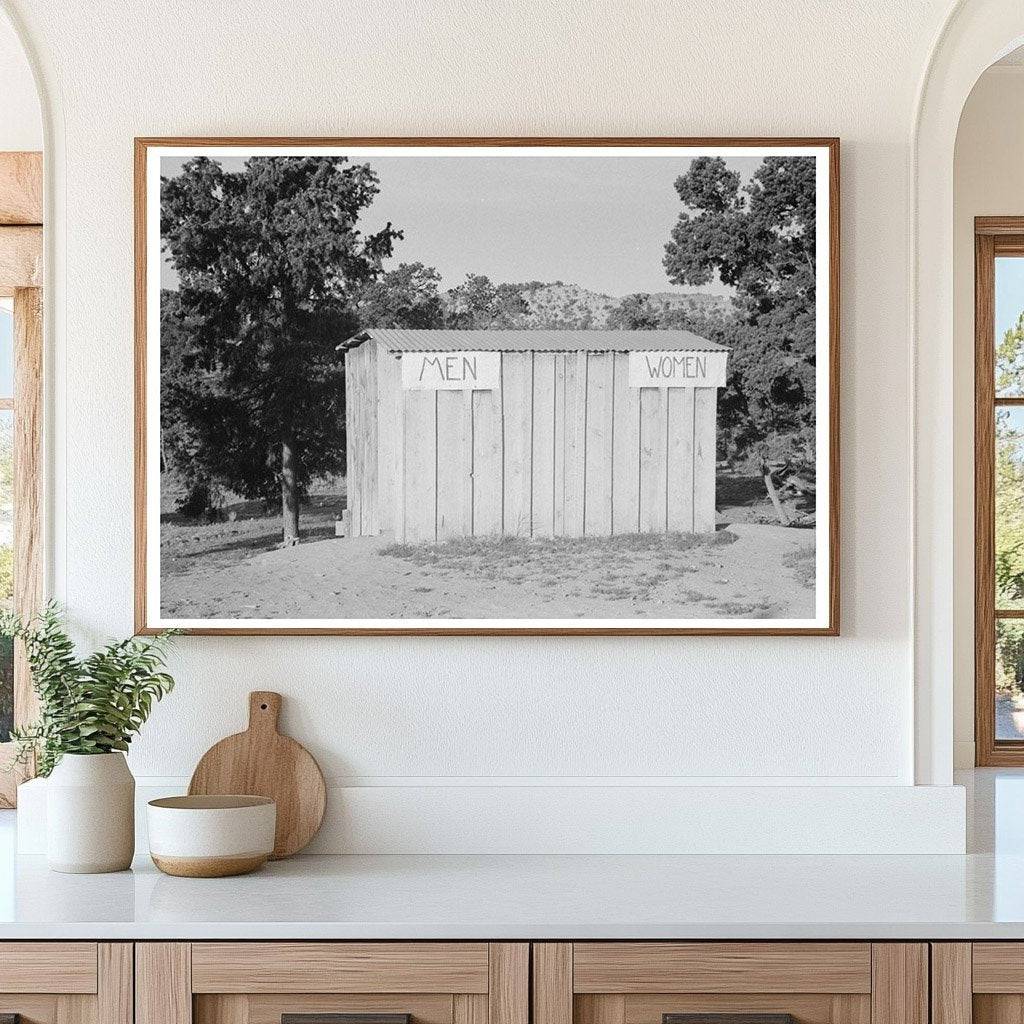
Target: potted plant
{"x":89,"y":710}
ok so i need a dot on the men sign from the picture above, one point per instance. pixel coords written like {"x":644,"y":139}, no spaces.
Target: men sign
{"x":677,"y":369}
{"x":451,"y":371}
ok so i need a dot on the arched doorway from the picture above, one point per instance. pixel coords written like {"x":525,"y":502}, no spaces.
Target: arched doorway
{"x":976,"y":33}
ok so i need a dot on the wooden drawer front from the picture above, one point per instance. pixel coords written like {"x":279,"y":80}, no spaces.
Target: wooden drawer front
{"x":257,"y":982}
{"x":365,"y":967}
{"x":648,"y":1009}
{"x":48,"y":1009}
{"x":712,"y":967}
{"x":998,"y":967}
{"x":268,"y":1009}
{"x":52,"y":967}
{"x":73,"y":982}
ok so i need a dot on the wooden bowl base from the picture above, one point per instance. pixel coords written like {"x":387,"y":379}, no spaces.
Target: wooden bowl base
{"x":209,"y":867}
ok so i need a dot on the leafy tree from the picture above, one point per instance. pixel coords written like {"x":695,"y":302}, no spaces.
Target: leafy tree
{"x":760,"y":239}
{"x":478,"y":304}
{"x":634,"y":313}
{"x":405,"y":297}
{"x":1010,"y":360}
{"x":270,"y":263}
{"x":183,"y":395}
{"x":1009,"y":657}
{"x":1009,"y":471}
{"x":1009,"y":510}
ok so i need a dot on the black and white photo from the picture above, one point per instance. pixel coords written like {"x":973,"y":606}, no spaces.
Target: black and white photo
{"x":462,"y":386}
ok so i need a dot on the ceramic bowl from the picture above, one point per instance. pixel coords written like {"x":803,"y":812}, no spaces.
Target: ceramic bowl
{"x":211,"y":836}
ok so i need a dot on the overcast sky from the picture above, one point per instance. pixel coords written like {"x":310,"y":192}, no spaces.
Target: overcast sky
{"x":600,"y":222}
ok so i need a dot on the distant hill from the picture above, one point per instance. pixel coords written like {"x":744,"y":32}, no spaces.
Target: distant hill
{"x":557,"y":305}
{"x":558,"y":301}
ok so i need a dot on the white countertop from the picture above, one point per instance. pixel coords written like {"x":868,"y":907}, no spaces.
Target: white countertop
{"x":978,"y":896}
{"x":532,"y":897}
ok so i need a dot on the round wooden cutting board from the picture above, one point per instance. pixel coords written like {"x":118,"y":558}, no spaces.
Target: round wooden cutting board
{"x":262,"y":762}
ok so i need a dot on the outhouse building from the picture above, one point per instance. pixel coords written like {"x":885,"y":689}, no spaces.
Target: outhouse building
{"x":532,"y":433}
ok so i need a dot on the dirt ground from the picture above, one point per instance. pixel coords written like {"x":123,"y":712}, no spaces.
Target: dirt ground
{"x":232,"y":568}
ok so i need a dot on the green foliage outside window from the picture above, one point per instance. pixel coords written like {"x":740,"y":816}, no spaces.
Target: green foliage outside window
{"x":1009,"y":509}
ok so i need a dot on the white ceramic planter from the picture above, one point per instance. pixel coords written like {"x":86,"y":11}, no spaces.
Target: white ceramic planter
{"x":90,"y":814}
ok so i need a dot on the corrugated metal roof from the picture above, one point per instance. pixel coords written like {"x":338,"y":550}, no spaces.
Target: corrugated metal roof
{"x":396,"y":340}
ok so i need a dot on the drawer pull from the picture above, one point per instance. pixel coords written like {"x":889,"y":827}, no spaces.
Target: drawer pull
{"x":340,"y":1018}
{"x":728,"y":1018}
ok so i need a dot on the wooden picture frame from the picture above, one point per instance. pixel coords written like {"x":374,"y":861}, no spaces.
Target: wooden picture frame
{"x":825,"y":621}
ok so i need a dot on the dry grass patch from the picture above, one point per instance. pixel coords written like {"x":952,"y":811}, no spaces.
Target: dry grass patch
{"x":803,"y":563}
{"x":625,"y":567}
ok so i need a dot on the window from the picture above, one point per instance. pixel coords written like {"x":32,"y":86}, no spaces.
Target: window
{"x":21,"y":365}
{"x":999,"y":490}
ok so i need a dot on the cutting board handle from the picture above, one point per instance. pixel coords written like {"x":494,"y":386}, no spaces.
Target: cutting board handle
{"x":264,"y":710}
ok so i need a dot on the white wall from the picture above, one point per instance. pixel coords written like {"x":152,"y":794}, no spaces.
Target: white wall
{"x":21,"y":125}
{"x":988,"y":181}
{"x":441,"y":714}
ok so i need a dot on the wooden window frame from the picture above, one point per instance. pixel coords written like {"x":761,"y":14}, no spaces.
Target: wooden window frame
{"x":993,"y":237}
{"x":21,"y":270}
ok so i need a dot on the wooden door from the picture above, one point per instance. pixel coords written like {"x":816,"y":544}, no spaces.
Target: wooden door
{"x":66,"y":982}
{"x":736,"y":982}
{"x":301,"y":982}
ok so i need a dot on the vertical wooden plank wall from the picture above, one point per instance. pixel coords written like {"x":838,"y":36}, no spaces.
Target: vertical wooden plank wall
{"x":653,"y":455}
{"x":558,"y":429}
{"x":360,"y":514}
{"x":565,"y":447}
{"x":625,"y":450}
{"x":543,"y":416}
{"x":388,"y":392}
{"x":362,"y":442}
{"x":517,"y":415}
{"x":599,"y":431}
{"x":351,"y":398}
{"x":704,"y":458}
{"x":420,"y":474}
{"x":488,"y":454}
{"x":454,"y":436}
{"x":679,"y":470}
{"x":370,"y":440}
{"x":574,"y":483}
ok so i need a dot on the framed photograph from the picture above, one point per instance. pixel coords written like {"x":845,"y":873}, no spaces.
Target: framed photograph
{"x":487,"y":386}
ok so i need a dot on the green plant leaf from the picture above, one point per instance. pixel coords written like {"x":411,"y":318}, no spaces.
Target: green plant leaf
{"x":88,"y":705}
